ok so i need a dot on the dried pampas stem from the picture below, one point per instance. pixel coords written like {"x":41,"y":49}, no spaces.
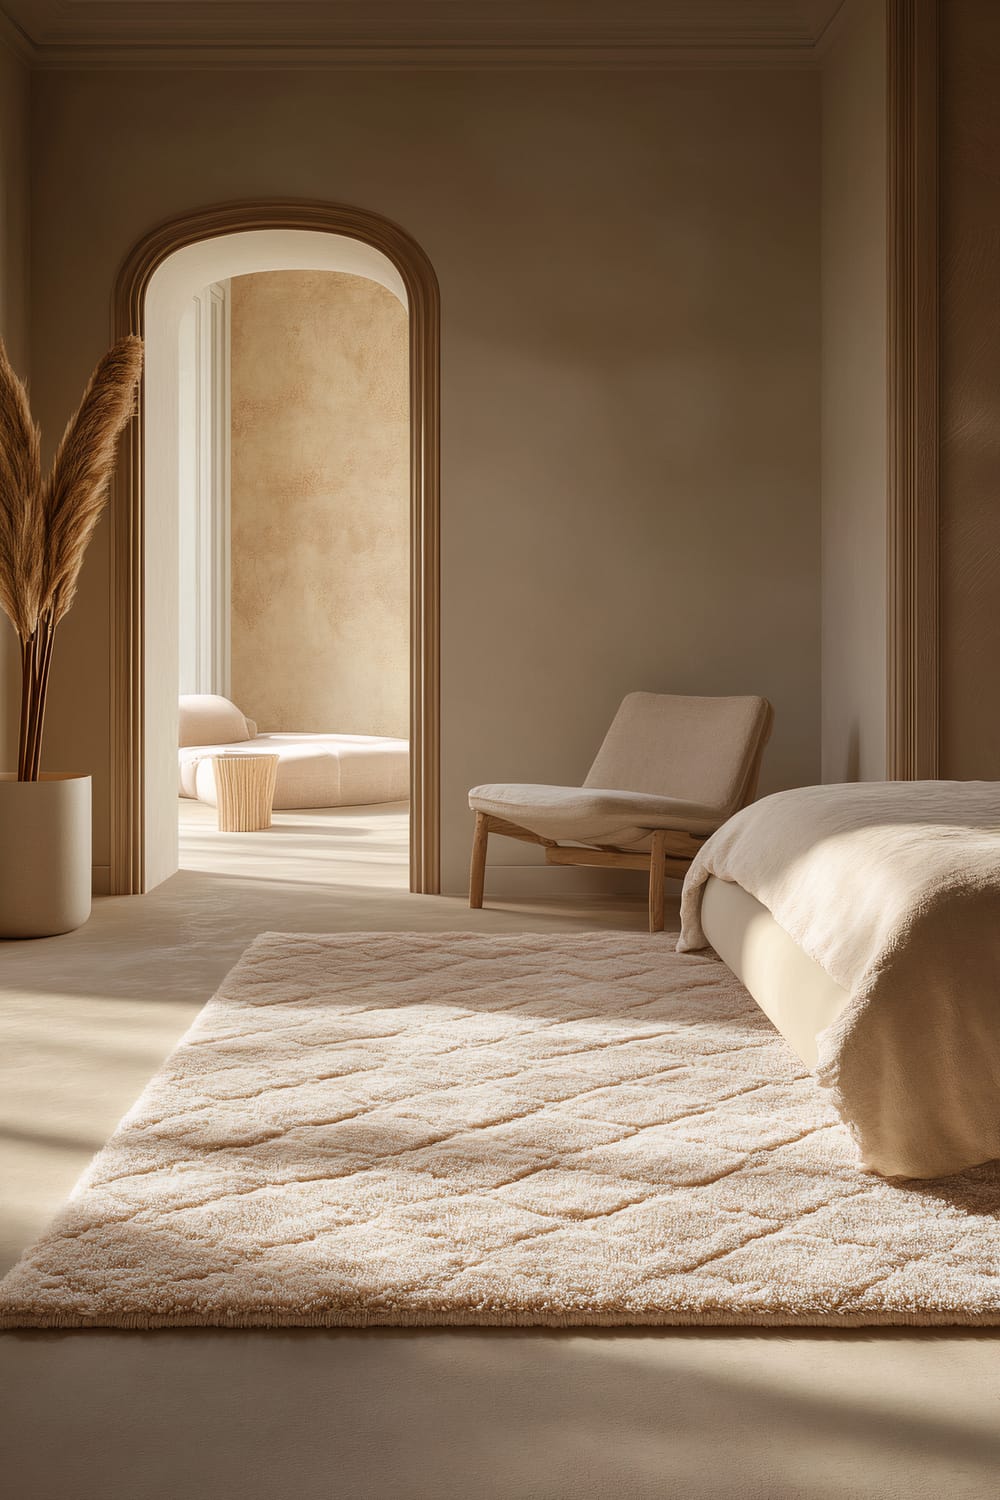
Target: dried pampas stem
{"x":45,"y":527}
{"x":21,"y":532}
{"x":75,"y":492}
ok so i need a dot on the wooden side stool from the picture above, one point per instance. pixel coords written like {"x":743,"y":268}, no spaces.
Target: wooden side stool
{"x":244,"y":790}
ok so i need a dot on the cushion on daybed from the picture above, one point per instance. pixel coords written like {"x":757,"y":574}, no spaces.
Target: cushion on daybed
{"x":210,"y":719}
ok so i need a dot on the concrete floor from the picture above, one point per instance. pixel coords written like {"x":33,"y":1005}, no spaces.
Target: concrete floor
{"x":400,"y":1415}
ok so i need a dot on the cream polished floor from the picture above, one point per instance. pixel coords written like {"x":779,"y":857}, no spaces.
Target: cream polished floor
{"x":401,"y":1415}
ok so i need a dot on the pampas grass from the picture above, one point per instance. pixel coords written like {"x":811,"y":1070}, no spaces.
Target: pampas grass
{"x":46,"y":526}
{"x":21,"y":532}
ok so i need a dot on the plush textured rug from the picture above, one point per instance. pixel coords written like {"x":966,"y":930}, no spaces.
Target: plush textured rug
{"x":407,"y":1129}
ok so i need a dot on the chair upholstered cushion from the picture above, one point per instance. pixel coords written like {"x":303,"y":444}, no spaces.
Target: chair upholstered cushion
{"x":591,"y":815}
{"x":701,"y":750}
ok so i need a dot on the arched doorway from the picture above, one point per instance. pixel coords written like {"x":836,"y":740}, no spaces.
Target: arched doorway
{"x":138,"y":599}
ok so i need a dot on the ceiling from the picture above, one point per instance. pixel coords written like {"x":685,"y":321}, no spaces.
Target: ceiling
{"x":421,"y":33}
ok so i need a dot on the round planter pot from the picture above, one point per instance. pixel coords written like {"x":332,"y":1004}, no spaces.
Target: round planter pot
{"x":45,"y":858}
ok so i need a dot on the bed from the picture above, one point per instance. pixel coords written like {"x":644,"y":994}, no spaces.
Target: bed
{"x":865,"y":921}
{"x":314,"y":770}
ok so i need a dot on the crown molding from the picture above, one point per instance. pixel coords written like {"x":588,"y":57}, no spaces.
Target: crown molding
{"x":423,"y":59}
{"x":832,"y":30}
{"x":14,"y":39}
{"x":674,"y":34}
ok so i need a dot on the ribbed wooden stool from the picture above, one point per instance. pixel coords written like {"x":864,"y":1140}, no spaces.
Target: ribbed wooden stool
{"x":244,"y":791}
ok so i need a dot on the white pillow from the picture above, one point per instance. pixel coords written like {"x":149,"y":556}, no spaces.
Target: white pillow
{"x":208,"y":719}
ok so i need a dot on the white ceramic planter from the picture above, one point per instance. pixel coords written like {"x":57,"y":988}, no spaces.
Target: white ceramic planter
{"x":45,"y":858}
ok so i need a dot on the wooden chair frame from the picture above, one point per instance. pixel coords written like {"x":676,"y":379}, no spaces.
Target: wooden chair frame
{"x":671,"y":854}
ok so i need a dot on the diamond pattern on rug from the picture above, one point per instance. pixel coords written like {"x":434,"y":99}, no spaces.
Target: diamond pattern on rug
{"x":407,"y":1129}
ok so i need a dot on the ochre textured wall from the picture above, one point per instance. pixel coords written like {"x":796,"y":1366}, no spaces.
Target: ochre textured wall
{"x":853,"y":283}
{"x":629,"y":271}
{"x":320,"y":503}
{"x":970,"y":389}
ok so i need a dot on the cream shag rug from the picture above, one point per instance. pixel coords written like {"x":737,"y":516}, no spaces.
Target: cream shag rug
{"x":406,"y":1129}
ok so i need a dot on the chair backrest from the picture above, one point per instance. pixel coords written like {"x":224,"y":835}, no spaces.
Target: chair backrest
{"x":703,"y":750}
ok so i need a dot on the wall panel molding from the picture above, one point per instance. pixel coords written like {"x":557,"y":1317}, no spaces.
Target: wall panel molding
{"x":913,"y":728}
{"x":204,"y":495}
{"x":128,"y":509}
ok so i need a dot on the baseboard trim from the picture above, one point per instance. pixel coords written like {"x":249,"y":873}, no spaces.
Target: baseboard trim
{"x":508,"y":881}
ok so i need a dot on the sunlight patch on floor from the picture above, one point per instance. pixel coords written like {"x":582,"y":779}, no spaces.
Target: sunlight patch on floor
{"x":321,"y":845}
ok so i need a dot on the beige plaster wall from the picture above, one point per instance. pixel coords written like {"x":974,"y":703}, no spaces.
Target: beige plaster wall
{"x":853,"y":258}
{"x":970,"y":389}
{"x":14,"y":161}
{"x":320,"y":503}
{"x":629,"y":267}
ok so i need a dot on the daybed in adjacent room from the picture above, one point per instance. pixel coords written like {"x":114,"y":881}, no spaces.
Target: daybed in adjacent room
{"x":314,"y":770}
{"x":865,"y":921}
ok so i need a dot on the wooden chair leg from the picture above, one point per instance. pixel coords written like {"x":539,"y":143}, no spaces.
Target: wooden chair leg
{"x":657,"y":876}
{"x":477,"y":870}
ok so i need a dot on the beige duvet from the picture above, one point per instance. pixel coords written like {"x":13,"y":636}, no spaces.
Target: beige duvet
{"x":894,"y":889}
